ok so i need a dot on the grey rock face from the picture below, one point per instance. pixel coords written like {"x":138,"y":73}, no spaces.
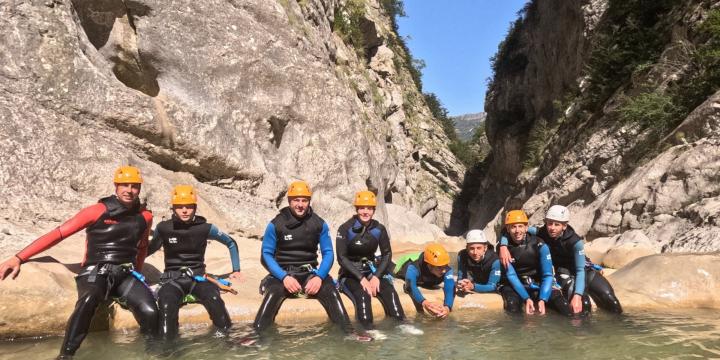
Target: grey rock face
{"x":590,"y":162}
{"x":235,"y":97}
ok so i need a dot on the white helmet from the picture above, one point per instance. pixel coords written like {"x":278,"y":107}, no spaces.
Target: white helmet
{"x":558,"y":213}
{"x":475,"y":237}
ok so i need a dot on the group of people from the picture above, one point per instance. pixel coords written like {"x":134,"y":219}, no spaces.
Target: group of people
{"x":533,"y":268}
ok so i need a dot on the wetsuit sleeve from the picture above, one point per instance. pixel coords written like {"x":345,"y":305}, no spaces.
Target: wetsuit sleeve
{"x":216,"y":234}
{"x":411,"y":275}
{"x":81,"y":220}
{"x":326,"y":249}
{"x":143,"y":242}
{"x":461,"y":268}
{"x":579,"y":251}
{"x":269,"y":244}
{"x":492,"y":280}
{"x":504,"y":239}
{"x":341,"y":248}
{"x":515,"y":282}
{"x":449,"y":289}
{"x":155,"y":243}
{"x":385,"y":253}
{"x":547,"y":273}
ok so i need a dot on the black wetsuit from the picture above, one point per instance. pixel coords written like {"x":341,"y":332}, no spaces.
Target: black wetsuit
{"x":356,"y":245}
{"x":112,"y":250}
{"x":290,"y":248}
{"x":532,"y":266}
{"x":565,"y":255}
{"x":184,"y":245}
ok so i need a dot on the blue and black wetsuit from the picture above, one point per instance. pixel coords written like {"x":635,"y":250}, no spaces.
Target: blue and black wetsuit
{"x":530,"y":276}
{"x":356,"y":246}
{"x":485,"y":274}
{"x":415,"y":272}
{"x":184,"y":245}
{"x":289,"y":248}
{"x":575,"y":273}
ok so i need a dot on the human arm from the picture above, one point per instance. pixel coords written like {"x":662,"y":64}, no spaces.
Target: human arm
{"x":385,"y":253}
{"x":411,"y":275}
{"x":449,"y":289}
{"x":516,"y":284}
{"x":143,"y":241}
{"x":217,"y":235}
{"x":326,"y":250}
{"x":341,"y":249}
{"x":546,"y":270}
{"x":155,"y":243}
{"x":269,"y":243}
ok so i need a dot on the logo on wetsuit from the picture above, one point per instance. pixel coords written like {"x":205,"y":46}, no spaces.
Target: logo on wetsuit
{"x":288,"y":237}
{"x":172,"y":240}
{"x":110,"y":221}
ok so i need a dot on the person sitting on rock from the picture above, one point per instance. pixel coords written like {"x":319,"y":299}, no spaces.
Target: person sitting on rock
{"x":184,"y":240}
{"x":530,"y":274}
{"x":361,"y":275}
{"x":478,"y":265}
{"x":117,"y":229}
{"x":289,"y":252}
{"x":573,"y":271}
{"x":428,"y":269}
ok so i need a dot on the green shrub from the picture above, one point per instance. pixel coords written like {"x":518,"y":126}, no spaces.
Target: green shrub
{"x":536,"y":144}
{"x":347,"y":24}
{"x":651,"y":110}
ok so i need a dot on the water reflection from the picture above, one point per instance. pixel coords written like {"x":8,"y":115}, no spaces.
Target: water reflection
{"x":478,"y":335}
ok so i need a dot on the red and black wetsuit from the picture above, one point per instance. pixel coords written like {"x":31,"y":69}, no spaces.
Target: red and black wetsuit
{"x":116,"y":236}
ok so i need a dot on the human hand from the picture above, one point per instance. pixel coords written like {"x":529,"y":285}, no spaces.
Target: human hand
{"x":237,"y":276}
{"x":291,"y":284}
{"x":529,"y":307}
{"x":11,"y":265}
{"x":465,"y":285}
{"x":576,"y":304}
{"x":313,"y":285}
{"x":375,"y":285}
{"x":541,"y":307}
{"x":504,"y":255}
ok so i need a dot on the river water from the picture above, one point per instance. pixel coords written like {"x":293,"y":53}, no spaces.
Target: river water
{"x":468,"y":334}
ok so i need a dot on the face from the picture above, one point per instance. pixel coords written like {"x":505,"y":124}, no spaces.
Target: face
{"x":555,"y":228}
{"x":476,"y":251}
{"x":127,"y":193}
{"x":365,"y":213}
{"x":517,"y":232}
{"x":299,"y":205}
{"x":438,"y":271}
{"x":185,"y":212}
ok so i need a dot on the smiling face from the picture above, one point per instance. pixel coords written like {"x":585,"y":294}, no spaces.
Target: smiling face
{"x":517,"y":232}
{"x":365,"y":213}
{"x":476,"y":251}
{"x":127,"y":193}
{"x":555,"y":228}
{"x":299,"y":205}
{"x":185,"y":212}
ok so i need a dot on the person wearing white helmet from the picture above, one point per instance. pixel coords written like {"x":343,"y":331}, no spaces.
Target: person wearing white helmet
{"x":578,"y":277}
{"x":478,"y":265}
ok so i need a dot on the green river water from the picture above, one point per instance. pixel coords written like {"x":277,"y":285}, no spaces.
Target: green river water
{"x":467,"y":335}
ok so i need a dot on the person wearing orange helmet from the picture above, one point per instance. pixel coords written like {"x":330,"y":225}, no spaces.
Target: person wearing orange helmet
{"x":184,"y":240}
{"x":428,"y":269}
{"x":117,"y":230}
{"x":362,"y":275}
{"x":289,"y":253}
{"x":529,"y":277}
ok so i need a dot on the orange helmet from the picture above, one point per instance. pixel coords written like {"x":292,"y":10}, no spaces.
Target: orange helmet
{"x":516,"y":217}
{"x":299,"y":188}
{"x":184,"y":195}
{"x":436,"y":255}
{"x":365,"y":198}
{"x":127,"y":175}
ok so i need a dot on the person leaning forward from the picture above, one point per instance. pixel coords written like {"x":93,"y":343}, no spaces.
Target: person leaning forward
{"x":117,"y":230}
{"x":184,"y":240}
{"x":289,"y":253}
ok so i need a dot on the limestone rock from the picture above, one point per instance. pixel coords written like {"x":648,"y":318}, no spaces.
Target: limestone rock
{"x":670,"y":281}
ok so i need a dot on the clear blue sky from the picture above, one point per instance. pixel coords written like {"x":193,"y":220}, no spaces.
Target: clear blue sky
{"x":456,"y":39}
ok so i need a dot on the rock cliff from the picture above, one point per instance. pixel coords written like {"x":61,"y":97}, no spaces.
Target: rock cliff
{"x":610,"y":108}
{"x":234,"y":97}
